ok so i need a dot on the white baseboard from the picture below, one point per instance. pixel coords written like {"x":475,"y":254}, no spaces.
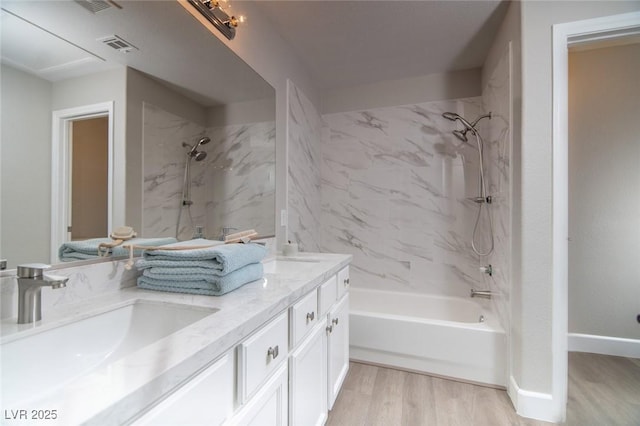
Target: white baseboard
{"x":604,"y":345}
{"x":534,"y":405}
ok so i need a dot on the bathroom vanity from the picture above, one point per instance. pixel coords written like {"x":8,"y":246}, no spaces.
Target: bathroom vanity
{"x":272,"y":352}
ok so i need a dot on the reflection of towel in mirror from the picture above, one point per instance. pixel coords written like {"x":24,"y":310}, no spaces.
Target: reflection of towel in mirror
{"x":220,"y":259}
{"x":194,"y":281}
{"x":88,"y":249}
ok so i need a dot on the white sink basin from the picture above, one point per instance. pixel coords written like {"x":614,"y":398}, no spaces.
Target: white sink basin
{"x":40,"y":363}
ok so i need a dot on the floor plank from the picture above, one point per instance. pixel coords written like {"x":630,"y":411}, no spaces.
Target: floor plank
{"x":603,"y":390}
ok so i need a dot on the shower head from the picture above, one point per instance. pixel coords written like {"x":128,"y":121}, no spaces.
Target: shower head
{"x":193,"y":151}
{"x":461,"y":134}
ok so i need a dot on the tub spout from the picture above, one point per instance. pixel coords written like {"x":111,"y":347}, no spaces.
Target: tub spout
{"x":481,"y":293}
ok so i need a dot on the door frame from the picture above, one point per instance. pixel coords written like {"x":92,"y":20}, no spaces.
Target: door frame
{"x":61,"y":151}
{"x":564,"y":36}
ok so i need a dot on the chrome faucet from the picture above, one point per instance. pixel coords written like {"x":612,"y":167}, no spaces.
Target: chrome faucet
{"x":481,"y":293}
{"x":31,"y":279}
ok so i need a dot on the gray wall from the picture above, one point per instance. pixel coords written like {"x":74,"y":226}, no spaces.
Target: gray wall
{"x":532,"y":347}
{"x":25,"y":182}
{"x":604,"y":195}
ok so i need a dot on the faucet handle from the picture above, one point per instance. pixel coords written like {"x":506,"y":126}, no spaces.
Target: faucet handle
{"x":32,"y":270}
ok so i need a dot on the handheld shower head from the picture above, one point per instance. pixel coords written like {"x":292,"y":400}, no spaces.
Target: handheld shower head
{"x":453,"y":117}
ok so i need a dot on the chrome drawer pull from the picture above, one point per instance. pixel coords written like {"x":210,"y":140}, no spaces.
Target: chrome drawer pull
{"x":273,"y":352}
{"x":334,"y":321}
{"x":329,"y":329}
{"x":311,"y":316}
{"x":346,"y":282}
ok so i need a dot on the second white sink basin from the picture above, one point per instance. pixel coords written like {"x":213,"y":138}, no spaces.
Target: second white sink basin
{"x":37,"y":364}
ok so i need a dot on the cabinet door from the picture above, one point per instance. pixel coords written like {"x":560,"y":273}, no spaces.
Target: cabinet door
{"x":308,"y":380}
{"x":343,"y":281}
{"x":206,"y":399}
{"x":338,"y":347}
{"x":269,"y":406}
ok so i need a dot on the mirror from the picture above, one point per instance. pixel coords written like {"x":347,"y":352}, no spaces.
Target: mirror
{"x":170,"y":83}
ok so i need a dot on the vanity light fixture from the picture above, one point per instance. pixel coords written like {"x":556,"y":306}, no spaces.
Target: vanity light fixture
{"x":223,"y":21}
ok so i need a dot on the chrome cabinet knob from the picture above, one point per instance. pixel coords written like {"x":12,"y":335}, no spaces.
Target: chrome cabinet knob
{"x":334,"y":321}
{"x":311,"y":316}
{"x":273,"y":352}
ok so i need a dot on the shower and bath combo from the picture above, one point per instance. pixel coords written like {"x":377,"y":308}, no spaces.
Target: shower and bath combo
{"x":186,"y":201}
{"x":483,"y":198}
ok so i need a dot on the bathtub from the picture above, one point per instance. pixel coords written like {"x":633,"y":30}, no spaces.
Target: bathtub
{"x":436,"y":335}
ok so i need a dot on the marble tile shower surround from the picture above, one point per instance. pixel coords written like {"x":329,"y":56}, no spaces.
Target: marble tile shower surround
{"x":304,"y":136}
{"x":85,"y":282}
{"x":394,"y":187}
{"x":163,"y":165}
{"x":233,"y":186}
{"x":240,"y":172}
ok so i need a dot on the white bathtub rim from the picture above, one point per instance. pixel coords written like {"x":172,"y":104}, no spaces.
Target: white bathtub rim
{"x":490,"y":324}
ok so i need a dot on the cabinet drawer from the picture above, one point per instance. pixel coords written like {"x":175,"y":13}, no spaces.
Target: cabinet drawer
{"x":343,"y":282}
{"x":261,"y":354}
{"x":327,"y":295}
{"x":205,"y":399}
{"x":303,"y":316}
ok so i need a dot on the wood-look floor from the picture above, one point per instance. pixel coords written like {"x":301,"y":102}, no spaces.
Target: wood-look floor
{"x":602,"y":391}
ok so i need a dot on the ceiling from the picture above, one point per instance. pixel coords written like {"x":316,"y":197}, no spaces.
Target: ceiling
{"x":342,"y":43}
{"x":61,"y":39}
{"x":350,"y":43}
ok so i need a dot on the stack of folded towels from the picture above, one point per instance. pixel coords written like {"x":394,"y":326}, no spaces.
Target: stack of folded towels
{"x":212,"y":271}
{"x":88,"y":249}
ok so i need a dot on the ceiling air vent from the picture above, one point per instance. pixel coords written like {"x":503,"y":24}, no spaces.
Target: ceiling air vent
{"x":94,"y":6}
{"x":118,"y":43}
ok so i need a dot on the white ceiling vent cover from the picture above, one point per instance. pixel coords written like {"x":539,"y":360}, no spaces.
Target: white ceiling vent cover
{"x":94,"y":6}
{"x":118,"y":43}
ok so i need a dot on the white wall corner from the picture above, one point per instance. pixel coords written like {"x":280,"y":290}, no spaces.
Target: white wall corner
{"x":533,"y":405}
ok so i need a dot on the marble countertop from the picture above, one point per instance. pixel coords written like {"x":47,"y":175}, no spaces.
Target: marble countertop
{"x":115,"y":393}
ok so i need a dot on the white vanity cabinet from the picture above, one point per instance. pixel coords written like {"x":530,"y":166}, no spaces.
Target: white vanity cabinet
{"x":287,"y":372}
{"x":337,"y":347}
{"x":269,"y":406}
{"x":208,"y":398}
{"x":261,"y":354}
{"x":308,"y":379}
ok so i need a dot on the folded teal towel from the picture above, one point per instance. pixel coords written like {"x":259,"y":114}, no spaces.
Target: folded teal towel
{"x":88,"y":249}
{"x":210,"y":285}
{"x":222,"y":259}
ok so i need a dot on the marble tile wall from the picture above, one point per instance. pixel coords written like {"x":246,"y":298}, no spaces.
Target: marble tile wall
{"x":163,"y":162}
{"x":85,"y":281}
{"x":233,"y":186}
{"x":394,"y":187}
{"x":241,"y":178}
{"x":305,"y":128}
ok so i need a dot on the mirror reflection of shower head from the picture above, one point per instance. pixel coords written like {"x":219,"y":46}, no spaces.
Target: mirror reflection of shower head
{"x":461,"y":134}
{"x":453,"y":117}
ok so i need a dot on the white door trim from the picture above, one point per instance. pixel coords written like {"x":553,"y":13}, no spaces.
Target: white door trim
{"x":61,"y":167}
{"x":565,"y":35}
